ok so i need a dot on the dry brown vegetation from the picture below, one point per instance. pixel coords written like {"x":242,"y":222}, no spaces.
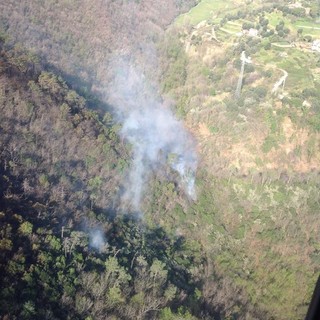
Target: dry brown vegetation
{"x":80,"y":38}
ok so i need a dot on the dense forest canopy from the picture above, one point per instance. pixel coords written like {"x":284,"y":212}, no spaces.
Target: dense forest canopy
{"x":159,"y":159}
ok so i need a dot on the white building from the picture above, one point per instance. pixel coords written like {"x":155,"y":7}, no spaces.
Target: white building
{"x":253,"y":32}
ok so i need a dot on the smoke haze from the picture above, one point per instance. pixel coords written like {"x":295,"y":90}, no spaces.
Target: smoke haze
{"x":82,"y":39}
{"x":156,"y":136}
{"x":96,"y":239}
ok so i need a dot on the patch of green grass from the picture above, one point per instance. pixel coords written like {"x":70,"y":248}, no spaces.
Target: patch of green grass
{"x":240,"y":232}
{"x":300,"y":75}
{"x":275,"y":17}
{"x":270,"y":142}
{"x":214,"y":130}
{"x":207,"y":9}
{"x":298,"y":64}
{"x":266,"y":56}
{"x":306,"y":22}
{"x":232,"y":27}
{"x":259,"y":162}
{"x":308,"y":27}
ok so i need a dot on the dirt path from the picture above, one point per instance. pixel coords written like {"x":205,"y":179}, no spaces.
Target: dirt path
{"x":307,"y":27}
{"x":282,"y":45}
{"x":280,"y":82}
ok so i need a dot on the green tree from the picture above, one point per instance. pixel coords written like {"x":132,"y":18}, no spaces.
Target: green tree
{"x":26,"y":228}
{"x":29,"y":310}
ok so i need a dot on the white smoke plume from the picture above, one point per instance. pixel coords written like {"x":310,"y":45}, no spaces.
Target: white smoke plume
{"x":97,"y":239}
{"x":156,"y":136}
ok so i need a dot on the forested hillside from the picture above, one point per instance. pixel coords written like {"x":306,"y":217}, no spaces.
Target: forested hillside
{"x":64,"y":253}
{"x":68,"y":251}
{"x":80,"y":38}
{"x":159,"y":163}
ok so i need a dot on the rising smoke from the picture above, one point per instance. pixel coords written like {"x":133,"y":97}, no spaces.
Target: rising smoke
{"x":96,"y":238}
{"x":156,"y":136}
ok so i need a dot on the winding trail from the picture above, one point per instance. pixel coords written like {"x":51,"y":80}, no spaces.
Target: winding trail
{"x":280,"y":82}
{"x":309,"y":27}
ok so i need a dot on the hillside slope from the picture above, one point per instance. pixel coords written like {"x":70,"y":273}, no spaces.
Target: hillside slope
{"x":247,"y":247}
{"x":64,"y":254}
{"x":259,"y":201}
{"x":80,"y":38}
